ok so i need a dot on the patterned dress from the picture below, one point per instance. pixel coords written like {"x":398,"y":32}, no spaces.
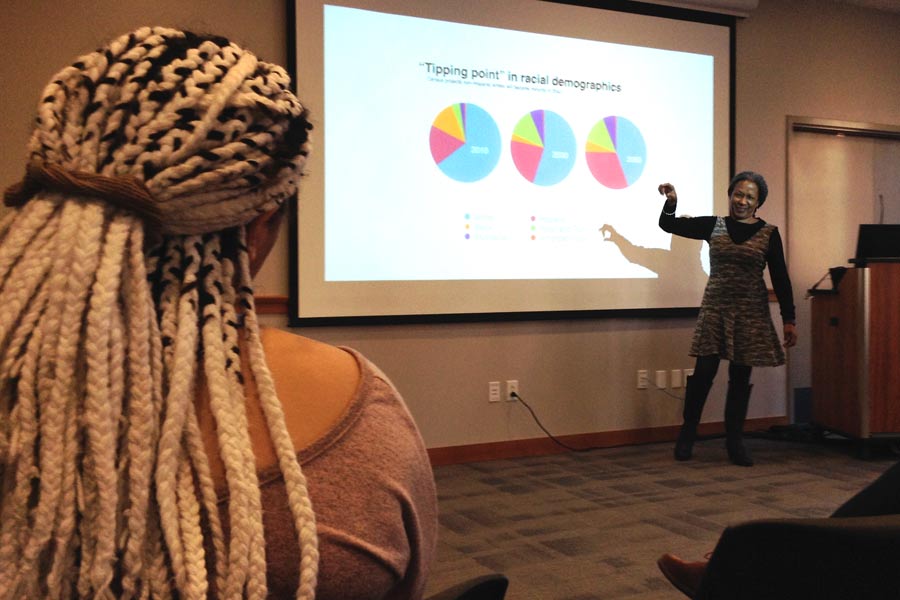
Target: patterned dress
{"x":734,"y":321}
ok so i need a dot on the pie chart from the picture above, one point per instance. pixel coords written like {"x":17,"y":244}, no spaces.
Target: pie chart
{"x":616,"y":152}
{"x":465,"y":142}
{"x":543,"y":147}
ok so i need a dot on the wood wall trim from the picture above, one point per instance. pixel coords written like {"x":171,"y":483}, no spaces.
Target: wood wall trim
{"x":605,"y":439}
{"x":271,"y":305}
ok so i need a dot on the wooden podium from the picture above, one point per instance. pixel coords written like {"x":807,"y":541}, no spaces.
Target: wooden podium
{"x":856,"y":353}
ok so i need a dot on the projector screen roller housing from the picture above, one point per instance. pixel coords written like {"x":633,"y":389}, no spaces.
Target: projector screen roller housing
{"x":501,"y":160}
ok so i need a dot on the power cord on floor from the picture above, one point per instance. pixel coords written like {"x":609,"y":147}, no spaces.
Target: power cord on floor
{"x":794,"y":433}
{"x":518,"y":398}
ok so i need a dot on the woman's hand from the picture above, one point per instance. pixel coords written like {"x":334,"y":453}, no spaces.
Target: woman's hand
{"x":790,"y":335}
{"x":608,"y":232}
{"x":668,"y":190}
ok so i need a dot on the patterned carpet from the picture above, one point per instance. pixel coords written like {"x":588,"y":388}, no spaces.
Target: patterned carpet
{"x":586,"y":526}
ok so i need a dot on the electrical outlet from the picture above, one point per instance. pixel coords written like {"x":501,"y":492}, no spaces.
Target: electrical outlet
{"x":512,"y":386}
{"x":643,"y":379}
{"x":676,"y":378}
{"x":661,"y":380}
{"x":493,"y":391}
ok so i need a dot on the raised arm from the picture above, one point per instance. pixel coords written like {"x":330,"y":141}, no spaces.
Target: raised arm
{"x":698,"y":228}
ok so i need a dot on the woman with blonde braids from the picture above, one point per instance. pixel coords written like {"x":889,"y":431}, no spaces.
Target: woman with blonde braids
{"x":151,"y":434}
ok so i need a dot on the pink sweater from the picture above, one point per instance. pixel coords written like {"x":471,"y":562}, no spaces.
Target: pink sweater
{"x":373,"y":493}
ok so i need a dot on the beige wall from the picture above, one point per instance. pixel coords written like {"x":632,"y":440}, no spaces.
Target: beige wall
{"x":579,"y":376}
{"x":819,"y":59}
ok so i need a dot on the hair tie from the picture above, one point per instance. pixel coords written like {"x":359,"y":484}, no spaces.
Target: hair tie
{"x":125,"y":192}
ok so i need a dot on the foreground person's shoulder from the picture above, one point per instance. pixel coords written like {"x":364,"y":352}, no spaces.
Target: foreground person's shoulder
{"x":310,"y":375}
{"x":280,"y":345}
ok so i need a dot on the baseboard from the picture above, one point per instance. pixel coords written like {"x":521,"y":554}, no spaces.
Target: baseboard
{"x":271,"y":305}
{"x":604,"y":439}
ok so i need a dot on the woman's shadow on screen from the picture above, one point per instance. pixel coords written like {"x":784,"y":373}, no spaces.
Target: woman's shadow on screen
{"x":681,"y":264}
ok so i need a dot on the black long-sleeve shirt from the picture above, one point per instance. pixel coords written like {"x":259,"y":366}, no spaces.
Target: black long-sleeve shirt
{"x":700,"y":228}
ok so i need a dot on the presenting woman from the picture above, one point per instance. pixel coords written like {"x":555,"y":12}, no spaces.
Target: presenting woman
{"x":734,"y":321}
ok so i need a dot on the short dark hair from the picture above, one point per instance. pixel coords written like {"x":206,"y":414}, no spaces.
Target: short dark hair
{"x":756,"y":178}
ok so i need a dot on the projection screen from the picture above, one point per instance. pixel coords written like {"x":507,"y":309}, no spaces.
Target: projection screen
{"x":491,"y":160}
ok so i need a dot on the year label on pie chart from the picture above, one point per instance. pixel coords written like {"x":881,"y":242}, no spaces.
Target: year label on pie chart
{"x":616,"y":152}
{"x":465,"y":142}
{"x":543,"y":147}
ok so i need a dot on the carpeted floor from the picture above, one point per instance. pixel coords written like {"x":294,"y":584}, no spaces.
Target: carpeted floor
{"x":591,"y":525}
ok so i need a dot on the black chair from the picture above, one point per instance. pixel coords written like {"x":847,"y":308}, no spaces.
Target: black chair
{"x":484,"y":587}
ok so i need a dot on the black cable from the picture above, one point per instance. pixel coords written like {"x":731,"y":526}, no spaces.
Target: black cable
{"x":518,"y":398}
{"x":663,"y":390}
{"x":765,"y":434}
{"x":771,"y":434}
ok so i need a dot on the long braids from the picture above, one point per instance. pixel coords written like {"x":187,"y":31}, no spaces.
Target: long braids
{"x":124,"y":284}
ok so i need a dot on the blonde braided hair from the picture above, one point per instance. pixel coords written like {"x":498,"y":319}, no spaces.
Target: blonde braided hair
{"x":124,"y":278}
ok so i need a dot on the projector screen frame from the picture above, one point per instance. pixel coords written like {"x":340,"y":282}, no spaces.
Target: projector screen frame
{"x":641,"y":8}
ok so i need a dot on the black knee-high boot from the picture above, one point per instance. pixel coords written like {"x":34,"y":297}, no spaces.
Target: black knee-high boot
{"x":695,"y":392}
{"x":735,"y":412}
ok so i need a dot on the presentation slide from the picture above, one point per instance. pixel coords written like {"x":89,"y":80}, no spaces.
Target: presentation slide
{"x":478,"y":169}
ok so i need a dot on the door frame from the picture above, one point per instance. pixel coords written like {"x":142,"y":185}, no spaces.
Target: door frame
{"x":836,"y":127}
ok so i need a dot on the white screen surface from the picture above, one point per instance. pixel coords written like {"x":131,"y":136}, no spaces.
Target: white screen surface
{"x":464,"y":161}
